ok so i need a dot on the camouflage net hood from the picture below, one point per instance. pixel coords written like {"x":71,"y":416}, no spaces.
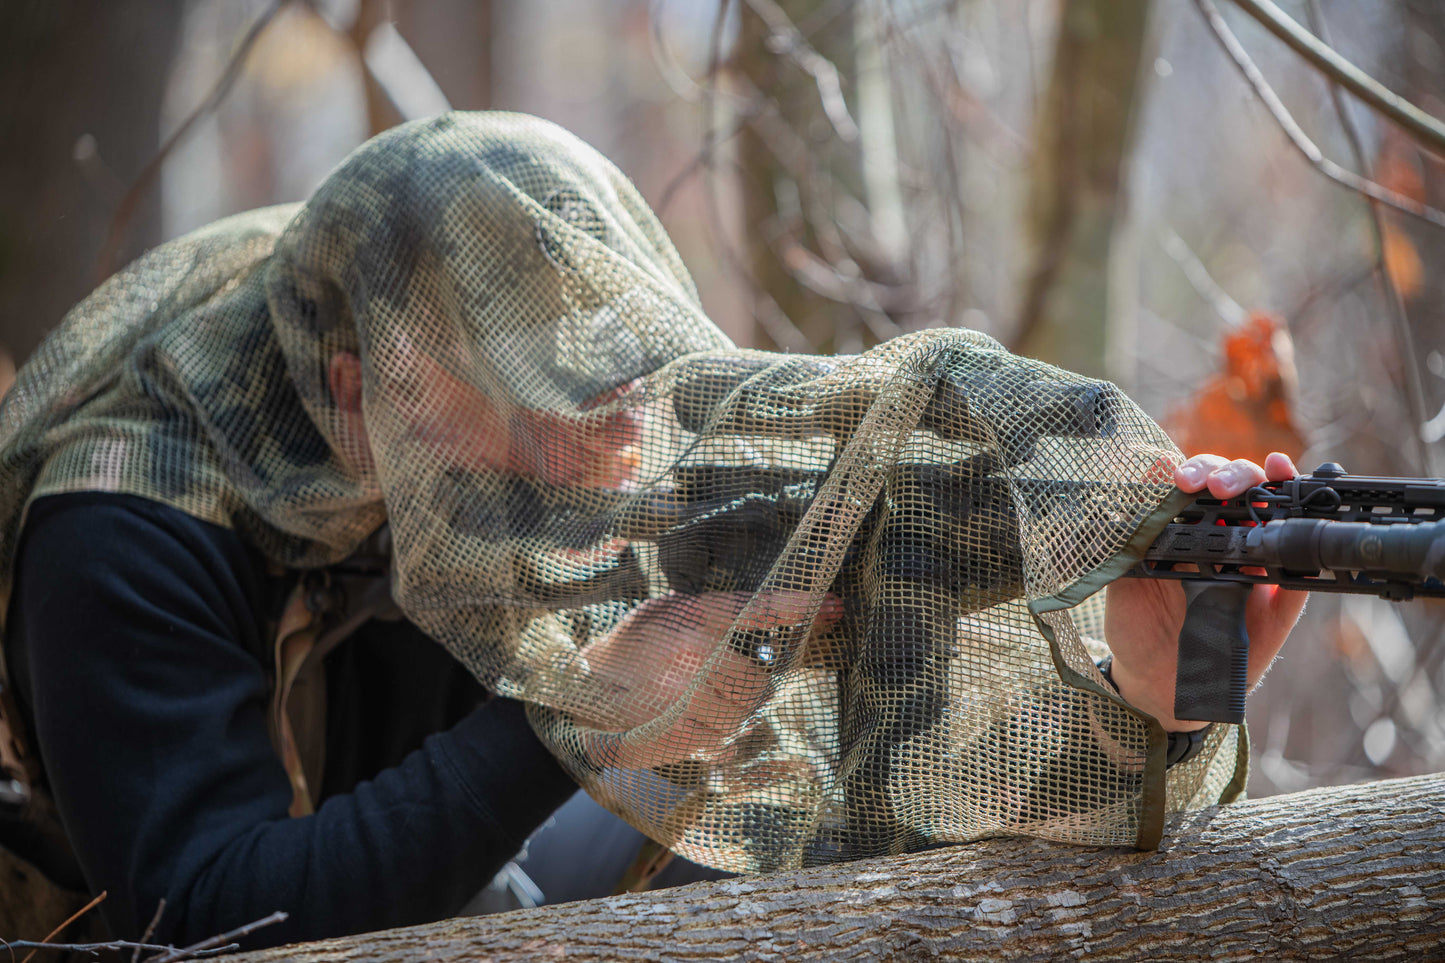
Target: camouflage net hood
{"x":774,"y":610}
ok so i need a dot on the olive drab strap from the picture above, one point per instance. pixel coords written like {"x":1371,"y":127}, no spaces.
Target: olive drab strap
{"x":652,"y":858}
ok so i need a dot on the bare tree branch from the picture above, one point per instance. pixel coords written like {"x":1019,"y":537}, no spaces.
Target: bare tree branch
{"x":789,"y":41}
{"x":1415,"y":391}
{"x":1428,"y":130}
{"x":209,"y":945}
{"x":70,"y":919}
{"x":125,"y":210}
{"x":1296,"y":135}
{"x":1228,"y":309}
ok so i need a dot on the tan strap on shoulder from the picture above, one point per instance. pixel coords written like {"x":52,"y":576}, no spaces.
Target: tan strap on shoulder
{"x":323,"y":610}
{"x":295,"y":640}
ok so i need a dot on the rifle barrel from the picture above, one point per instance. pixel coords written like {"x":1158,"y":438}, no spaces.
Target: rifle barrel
{"x":1313,"y":544}
{"x":1393,"y":560}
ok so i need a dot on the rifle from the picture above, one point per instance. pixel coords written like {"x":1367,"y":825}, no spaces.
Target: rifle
{"x":1327,"y":531}
{"x":945,"y":534}
{"x":720,"y":527}
{"x":945,"y":540}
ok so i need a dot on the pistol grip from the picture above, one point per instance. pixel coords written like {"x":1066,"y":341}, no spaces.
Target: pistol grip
{"x":1212,"y":678}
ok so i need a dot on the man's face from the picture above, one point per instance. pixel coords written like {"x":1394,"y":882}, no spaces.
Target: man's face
{"x":597,"y":447}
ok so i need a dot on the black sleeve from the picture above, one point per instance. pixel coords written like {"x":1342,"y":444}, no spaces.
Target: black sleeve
{"x":132,"y":633}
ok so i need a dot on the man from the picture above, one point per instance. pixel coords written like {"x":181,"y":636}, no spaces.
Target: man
{"x":474,"y":363}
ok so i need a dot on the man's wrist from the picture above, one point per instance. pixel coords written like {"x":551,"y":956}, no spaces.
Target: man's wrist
{"x":1182,"y":745}
{"x":1153,"y":696}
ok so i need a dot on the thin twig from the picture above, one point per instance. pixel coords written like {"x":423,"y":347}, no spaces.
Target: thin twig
{"x":1428,"y":130}
{"x":150,"y":928}
{"x":1414,"y":389}
{"x":1228,"y":309}
{"x":953,"y":213}
{"x":1328,"y":293}
{"x":787,"y":40}
{"x":965,"y":104}
{"x":61,"y":928}
{"x":823,"y":15}
{"x":95,"y":949}
{"x":767,"y":313}
{"x":196,"y":949}
{"x":672,"y":72}
{"x":702,"y":160}
{"x":825,"y":280}
{"x":838,"y":247}
{"x":793,"y":153}
{"x":1297,"y":136}
{"x":126,"y":209}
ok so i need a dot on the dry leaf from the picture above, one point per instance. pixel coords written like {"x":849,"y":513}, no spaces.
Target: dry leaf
{"x":1246,"y":409}
{"x":1402,"y":261}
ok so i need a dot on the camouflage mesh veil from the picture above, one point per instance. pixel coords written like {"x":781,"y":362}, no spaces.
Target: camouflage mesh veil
{"x":772,"y":609}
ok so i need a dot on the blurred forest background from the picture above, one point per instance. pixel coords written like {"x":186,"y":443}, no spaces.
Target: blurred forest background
{"x":1093,"y":182}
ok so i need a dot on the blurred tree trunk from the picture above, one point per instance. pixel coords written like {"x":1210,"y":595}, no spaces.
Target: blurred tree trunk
{"x":80,"y":117}
{"x":454,"y":39}
{"x":451,"y":38}
{"x":1349,"y":872}
{"x":823,"y":215}
{"x":381,"y":114}
{"x":790,"y":166}
{"x":1078,"y":192}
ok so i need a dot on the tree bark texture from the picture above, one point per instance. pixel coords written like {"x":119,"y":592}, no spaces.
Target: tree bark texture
{"x":1353,"y":872}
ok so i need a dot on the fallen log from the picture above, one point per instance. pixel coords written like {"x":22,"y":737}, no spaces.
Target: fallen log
{"x":1350,"y":872}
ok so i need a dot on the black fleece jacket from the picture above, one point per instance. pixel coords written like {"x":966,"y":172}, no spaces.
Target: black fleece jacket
{"x":136,"y":643}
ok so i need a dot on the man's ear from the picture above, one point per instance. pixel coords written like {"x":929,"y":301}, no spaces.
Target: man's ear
{"x":344,"y":378}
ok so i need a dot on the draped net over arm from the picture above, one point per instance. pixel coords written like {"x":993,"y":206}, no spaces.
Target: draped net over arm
{"x":774,"y":610}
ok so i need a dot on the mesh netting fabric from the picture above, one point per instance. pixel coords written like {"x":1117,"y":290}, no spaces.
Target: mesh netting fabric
{"x":774,"y":610}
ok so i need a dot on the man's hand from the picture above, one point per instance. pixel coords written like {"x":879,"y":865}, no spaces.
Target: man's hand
{"x":648,"y":662}
{"x":1142,"y":617}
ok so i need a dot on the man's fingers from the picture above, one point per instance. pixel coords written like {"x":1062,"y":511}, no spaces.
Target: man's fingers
{"x":1235,"y":478}
{"x":790,"y":607}
{"x":1192,"y":474}
{"x":1223,"y":478}
{"x":1229,"y":479}
{"x":1279,"y":467}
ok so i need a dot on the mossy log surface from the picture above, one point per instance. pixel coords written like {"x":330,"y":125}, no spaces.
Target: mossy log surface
{"x":1351,"y":872}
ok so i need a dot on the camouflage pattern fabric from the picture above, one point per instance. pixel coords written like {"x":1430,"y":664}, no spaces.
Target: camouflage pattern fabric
{"x":773,"y":610}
